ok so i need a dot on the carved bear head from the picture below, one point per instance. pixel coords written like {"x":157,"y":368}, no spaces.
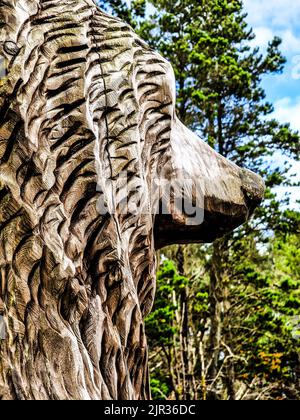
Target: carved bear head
{"x":96,"y":166}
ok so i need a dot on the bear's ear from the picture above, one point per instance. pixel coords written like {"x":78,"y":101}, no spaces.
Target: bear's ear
{"x":13,"y":14}
{"x":9,"y":23}
{"x":15,"y":38}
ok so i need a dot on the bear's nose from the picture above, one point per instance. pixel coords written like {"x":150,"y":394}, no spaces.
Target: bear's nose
{"x":253,"y":188}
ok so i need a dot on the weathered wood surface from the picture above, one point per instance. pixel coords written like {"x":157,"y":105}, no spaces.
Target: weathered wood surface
{"x":84,"y":100}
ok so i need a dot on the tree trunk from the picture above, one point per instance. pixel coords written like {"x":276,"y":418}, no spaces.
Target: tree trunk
{"x":216,"y":301}
{"x":229,"y":377}
{"x":184,"y":331}
{"x":221,"y":365}
{"x":230,"y":380}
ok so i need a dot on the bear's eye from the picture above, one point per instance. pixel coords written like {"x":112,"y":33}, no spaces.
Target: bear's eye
{"x":11,"y":48}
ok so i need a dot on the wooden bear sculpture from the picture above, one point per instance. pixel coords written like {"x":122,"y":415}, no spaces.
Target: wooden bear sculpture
{"x":94,"y":166}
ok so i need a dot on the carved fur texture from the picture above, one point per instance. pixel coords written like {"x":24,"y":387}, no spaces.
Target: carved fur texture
{"x":83,"y":101}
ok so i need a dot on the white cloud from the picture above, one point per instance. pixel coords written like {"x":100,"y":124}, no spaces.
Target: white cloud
{"x":287,"y":110}
{"x":284,"y":13}
{"x":275,"y":17}
{"x":296,"y":67}
{"x":263,"y":36}
{"x":290,"y":42}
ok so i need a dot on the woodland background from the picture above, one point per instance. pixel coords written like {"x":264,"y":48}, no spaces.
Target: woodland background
{"x":226,"y":320}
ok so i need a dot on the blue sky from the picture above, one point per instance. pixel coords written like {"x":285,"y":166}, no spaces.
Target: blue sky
{"x":281,"y":18}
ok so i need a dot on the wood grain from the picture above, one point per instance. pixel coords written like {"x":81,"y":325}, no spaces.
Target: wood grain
{"x":83,"y":101}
